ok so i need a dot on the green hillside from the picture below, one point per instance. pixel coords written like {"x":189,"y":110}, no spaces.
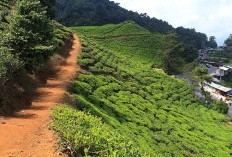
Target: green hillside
{"x":160,"y":114}
{"x":152,"y":49}
{"x":138,"y":43}
{"x":112,"y":30}
{"x":146,"y":50}
{"x":101,"y":12}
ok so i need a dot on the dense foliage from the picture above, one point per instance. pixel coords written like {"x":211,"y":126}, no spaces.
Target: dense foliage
{"x":24,"y":38}
{"x":100,"y":12}
{"x":221,"y":56}
{"x":191,"y":37}
{"x":86,"y":135}
{"x":27,"y":38}
{"x":228,"y":41}
{"x":212,"y":42}
{"x":177,"y":55}
{"x":4,"y":11}
{"x":8,"y":65}
{"x":159,"y":113}
{"x":8,"y":62}
{"x":50,"y":4}
{"x":142,"y":46}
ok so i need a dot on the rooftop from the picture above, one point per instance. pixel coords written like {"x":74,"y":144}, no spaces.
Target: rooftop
{"x":224,"y":68}
{"x":228,"y":66}
{"x":220,"y":87}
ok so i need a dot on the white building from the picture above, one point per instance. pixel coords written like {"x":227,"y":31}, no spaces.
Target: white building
{"x":222,"y":71}
{"x":218,"y":92}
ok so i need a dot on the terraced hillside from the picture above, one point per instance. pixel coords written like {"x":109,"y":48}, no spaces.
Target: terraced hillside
{"x":112,"y":30}
{"x":158,"y":113}
{"x":130,"y":40}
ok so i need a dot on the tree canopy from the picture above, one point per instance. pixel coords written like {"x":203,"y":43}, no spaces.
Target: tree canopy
{"x":27,"y":39}
{"x":50,"y":4}
{"x":29,"y":33}
{"x":228,"y":41}
{"x":100,"y":12}
{"x":8,"y":62}
{"x":191,"y":37}
{"x":177,"y":55}
{"x":212,"y":42}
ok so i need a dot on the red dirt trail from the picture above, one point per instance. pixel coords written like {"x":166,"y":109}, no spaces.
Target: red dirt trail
{"x":27,"y":133}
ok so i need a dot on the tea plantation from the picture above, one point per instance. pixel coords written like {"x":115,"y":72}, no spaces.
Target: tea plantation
{"x":159,"y":114}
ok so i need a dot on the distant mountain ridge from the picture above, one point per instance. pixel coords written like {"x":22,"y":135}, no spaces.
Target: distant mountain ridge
{"x":100,"y":12}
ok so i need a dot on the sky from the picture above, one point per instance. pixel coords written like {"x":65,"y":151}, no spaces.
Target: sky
{"x":212,"y":17}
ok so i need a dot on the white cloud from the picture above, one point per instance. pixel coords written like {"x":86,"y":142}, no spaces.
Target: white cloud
{"x":213,"y":17}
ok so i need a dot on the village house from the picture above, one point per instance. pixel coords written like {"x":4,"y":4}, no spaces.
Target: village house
{"x":219,"y":92}
{"x":205,"y":53}
{"x":222,"y":71}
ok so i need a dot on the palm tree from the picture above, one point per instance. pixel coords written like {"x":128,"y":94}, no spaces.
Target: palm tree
{"x":200,"y":75}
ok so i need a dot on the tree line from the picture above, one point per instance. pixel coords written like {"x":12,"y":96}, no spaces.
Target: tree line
{"x":100,"y":12}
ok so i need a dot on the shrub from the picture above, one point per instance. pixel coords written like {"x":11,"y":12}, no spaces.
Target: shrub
{"x":86,"y":135}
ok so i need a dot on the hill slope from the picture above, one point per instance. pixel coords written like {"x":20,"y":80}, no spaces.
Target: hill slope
{"x":153,"y":49}
{"x":160,"y":114}
{"x":100,"y":12}
{"x":112,"y":30}
{"x":129,"y":40}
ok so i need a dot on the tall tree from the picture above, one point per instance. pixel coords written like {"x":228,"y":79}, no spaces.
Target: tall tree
{"x":100,"y":12}
{"x":191,"y":37}
{"x":200,"y":75}
{"x":4,"y":10}
{"x":177,"y":54}
{"x":228,"y":41}
{"x":8,"y":62}
{"x":50,"y":4}
{"x":4,"y":3}
{"x":29,"y":33}
{"x":212,"y":42}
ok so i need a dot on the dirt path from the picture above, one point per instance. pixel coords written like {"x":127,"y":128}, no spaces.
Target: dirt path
{"x":27,"y":134}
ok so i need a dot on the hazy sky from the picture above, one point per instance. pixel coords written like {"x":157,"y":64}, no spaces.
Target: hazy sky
{"x":213,"y":17}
